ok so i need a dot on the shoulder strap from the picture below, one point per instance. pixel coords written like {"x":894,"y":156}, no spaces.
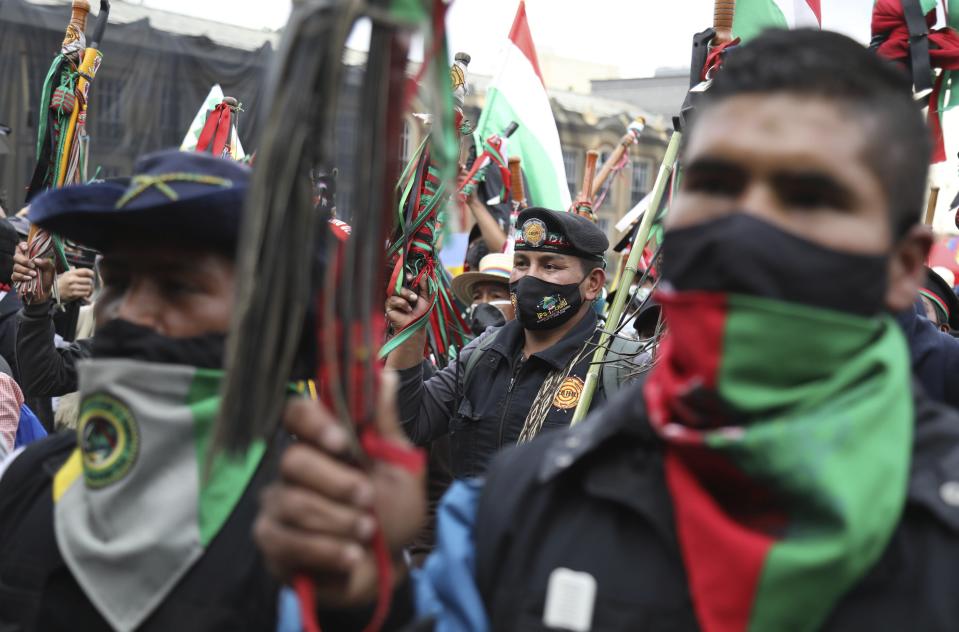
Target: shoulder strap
{"x":477,"y":353}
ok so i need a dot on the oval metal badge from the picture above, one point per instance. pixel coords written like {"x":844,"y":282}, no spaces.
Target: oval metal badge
{"x":534,"y":232}
{"x":109,"y":440}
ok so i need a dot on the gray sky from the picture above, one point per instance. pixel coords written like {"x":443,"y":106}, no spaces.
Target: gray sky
{"x":637,"y":36}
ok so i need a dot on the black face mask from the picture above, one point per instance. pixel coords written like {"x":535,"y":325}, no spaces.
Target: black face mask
{"x":542,"y":305}
{"x":740,"y":254}
{"x":484,"y":316}
{"x":123,"y":339}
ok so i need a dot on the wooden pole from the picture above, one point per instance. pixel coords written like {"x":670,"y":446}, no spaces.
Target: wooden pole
{"x":627,"y":141}
{"x":592,"y":156}
{"x":78,"y":22}
{"x":75,"y":29}
{"x":931,"y":205}
{"x":517,"y":190}
{"x":723,"y":13}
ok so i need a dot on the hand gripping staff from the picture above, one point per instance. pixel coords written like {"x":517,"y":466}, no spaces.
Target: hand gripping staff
{"x":719,"y":37}
{"x":295,"y":300}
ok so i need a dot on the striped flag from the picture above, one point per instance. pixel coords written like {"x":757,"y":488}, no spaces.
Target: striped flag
{"x":754,"y":16}
{"x":518,"y":94}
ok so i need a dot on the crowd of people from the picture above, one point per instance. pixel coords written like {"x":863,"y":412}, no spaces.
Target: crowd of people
{"x":782,"y":454}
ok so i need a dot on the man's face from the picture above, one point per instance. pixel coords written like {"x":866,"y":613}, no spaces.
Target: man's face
{"x":496,"y":293}
{"x":547,"y":266}
{"x":178,"y":292}
{"x":559,"y":269}
{"x":796,"y":163}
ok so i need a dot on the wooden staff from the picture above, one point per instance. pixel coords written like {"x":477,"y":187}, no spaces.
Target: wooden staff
{"x":584,"y":201}
{"x":627,"y":141}
{"x":931,"y":205}
{"x":592,"y":156}
{"x":78,"y":24}
{"x":723,"y":13}
{"x":76,"y":131}
{"x":517,"y":190}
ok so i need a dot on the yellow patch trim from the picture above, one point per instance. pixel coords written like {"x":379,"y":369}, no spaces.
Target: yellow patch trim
{"x":67,"y":475}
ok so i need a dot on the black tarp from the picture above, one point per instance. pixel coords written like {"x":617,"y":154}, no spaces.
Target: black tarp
{"x":144,"y":97}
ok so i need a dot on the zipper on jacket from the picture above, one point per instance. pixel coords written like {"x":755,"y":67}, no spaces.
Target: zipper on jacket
{"x":509,"y":396}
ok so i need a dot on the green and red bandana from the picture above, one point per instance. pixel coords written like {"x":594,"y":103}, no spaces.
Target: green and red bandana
{"x":788,"y":432}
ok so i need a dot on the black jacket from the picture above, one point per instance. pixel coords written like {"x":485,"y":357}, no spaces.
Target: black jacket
{"x":594,"y":499}
{"x":486,"y":411}
{"x":935,"y":355}
{"x":228,"y":588}
{"x":9,"y":306}
{"x":45,"y":370}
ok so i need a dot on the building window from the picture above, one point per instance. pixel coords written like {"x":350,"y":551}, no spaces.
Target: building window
{"x":571,"y":164}
{"x":642,"y":169}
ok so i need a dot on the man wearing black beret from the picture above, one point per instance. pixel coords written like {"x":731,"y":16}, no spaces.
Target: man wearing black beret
{"x":524,"y":377}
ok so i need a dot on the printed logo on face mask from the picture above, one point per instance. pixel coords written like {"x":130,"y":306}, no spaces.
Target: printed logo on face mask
{"x":550,"y":307}
{"x":568,"y":394}
{"x":534,"y":233}
{"x":109,"y":440}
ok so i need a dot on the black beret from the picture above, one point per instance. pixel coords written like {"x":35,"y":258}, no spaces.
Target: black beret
{"x":543,"y":230}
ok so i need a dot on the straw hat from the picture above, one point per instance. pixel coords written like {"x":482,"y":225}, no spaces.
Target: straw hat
{"x":493,"y":268}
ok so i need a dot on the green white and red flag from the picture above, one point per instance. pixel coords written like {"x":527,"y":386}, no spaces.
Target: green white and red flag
{"x":754,"y":16}
{"x":518,"y":93}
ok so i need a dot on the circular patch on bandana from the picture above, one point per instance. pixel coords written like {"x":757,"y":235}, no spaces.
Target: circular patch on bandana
{"x":534,"y":232}
{"x":568,"y":394}
{"x":109,"y":439}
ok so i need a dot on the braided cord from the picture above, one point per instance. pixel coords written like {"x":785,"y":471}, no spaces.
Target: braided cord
{"x":143,"y":183}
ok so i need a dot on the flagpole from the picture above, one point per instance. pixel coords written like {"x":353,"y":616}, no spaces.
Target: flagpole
{"x":629,"y":273}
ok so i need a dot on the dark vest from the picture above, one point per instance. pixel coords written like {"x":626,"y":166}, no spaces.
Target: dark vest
{"x":227,"y":589}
